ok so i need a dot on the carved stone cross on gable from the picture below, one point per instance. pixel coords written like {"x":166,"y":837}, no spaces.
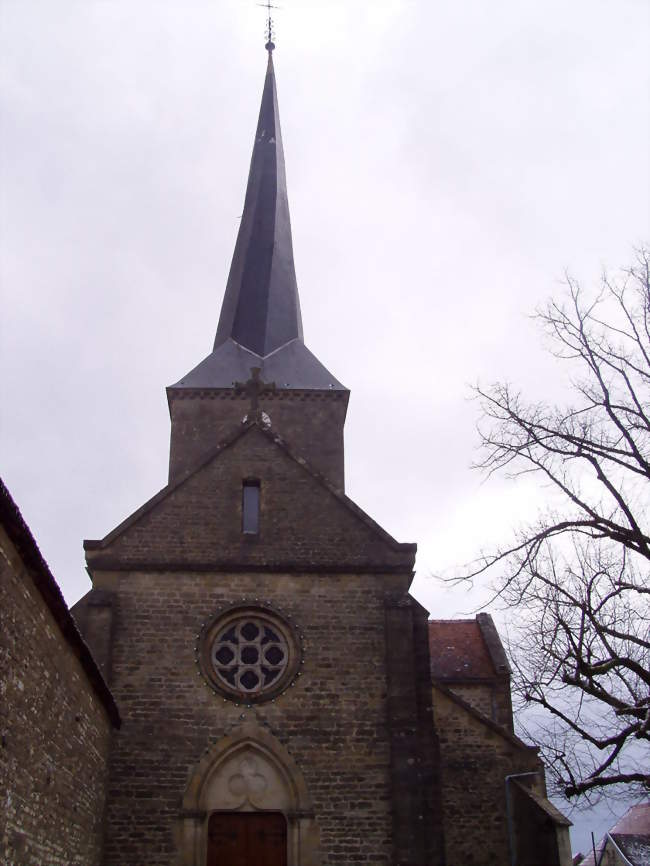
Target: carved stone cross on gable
{"x":253,"y":388}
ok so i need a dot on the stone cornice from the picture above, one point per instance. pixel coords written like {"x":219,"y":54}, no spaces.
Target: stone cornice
{"x":114,"y":563}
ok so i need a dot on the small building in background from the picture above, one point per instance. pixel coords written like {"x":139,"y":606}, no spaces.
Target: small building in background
{"x":626,"y":844}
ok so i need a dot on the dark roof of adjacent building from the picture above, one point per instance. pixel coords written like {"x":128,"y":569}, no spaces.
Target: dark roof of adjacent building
{"x":260,"y":323}
{"x":466,"y":649}
{"x":635,"y":847}
{"x":43,"y":579}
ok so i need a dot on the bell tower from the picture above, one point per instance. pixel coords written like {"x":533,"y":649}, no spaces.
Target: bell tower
{"x":259,"y":362}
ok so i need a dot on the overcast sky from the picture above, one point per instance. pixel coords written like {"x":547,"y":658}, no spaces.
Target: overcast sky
{"x":446,"y":163}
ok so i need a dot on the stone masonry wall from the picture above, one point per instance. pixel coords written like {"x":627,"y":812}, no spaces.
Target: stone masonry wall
{"x":491,"y":699}
{"x":478,"y":695}
{"x":333,"y":721}
{"x":55,"y":734}
{"x":310,"y":422}
{"x":199,"y":523}
{"x":475,"y":760}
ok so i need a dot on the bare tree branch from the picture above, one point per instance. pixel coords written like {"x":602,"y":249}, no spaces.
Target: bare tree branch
{"x":577,"y":581}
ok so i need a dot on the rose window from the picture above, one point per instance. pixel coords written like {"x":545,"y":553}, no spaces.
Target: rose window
{"x":250,"y":655}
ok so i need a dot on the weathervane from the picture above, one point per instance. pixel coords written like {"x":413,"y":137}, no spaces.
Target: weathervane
{"x":270,"y":45}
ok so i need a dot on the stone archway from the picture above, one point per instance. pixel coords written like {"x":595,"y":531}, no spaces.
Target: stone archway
{"x":248,"y":771}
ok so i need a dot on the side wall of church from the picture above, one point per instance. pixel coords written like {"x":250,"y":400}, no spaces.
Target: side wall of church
{"x":333,"y":721}
{"x":480,"y":696}
{"x":475,"y":760}
{"x":55,"y":734}
{"x":538,"y":841}
{"x":491,"y":699}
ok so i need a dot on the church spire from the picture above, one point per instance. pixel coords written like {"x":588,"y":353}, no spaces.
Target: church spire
{"x":260,"y":324}
{"x":261,"y":309}
{"x":259,"y":352}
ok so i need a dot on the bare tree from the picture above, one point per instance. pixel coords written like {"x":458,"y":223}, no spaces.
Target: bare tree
{"x":578,"y":579}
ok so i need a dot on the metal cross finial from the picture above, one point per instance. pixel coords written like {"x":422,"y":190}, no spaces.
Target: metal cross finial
{"x":270,"y":45}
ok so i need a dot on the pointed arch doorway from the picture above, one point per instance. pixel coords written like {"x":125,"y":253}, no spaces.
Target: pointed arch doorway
{"x":247,"y":785}
{"x":247,"y":839}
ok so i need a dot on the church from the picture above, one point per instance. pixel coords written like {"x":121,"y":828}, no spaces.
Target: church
{"x":249,"y":682}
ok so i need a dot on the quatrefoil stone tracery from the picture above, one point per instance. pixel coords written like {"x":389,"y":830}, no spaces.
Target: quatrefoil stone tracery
{"x":249,"y":655}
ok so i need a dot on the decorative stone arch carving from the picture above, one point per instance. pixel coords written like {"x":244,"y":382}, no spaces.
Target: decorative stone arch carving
{"x":248,"y":770}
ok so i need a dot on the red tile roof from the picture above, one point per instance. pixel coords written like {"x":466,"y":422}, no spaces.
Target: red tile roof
{"x":636,"y":821}
{"x":458,"y":650}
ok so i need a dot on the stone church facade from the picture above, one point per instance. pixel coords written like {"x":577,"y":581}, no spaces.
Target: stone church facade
{"x":282,"y":700}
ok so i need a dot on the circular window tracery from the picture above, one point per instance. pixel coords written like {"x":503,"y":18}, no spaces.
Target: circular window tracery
{"x":250,"y":654}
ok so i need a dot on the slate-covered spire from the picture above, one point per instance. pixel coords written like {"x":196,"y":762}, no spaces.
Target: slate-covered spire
{"x":261,"y":310}
{"x":260,"y":324}
{"x":260,"y":368}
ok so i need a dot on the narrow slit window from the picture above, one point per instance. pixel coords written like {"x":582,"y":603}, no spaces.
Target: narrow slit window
{"x":251,"y":508}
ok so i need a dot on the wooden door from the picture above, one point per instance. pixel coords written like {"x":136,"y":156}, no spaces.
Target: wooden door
{"x":247,"y":839}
